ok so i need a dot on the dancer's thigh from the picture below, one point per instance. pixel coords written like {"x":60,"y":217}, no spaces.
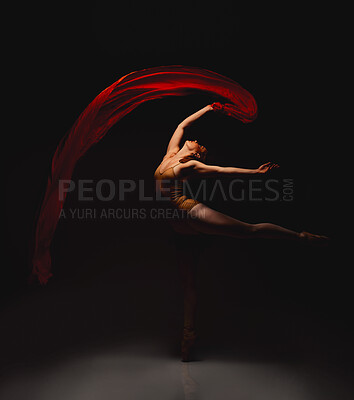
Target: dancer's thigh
{"x":206,"y":220}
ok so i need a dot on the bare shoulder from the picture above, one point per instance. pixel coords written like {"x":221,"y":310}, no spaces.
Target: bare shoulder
{"x":167,"y":158}
{"x":169,"y":155}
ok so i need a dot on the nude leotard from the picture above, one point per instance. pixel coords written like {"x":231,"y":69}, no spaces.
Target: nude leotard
{"x":171,"y":187}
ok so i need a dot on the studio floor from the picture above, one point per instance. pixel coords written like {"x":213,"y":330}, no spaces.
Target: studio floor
{"x":80,"y":341}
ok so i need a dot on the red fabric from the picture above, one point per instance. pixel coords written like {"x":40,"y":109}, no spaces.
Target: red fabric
{"x":108,"y":108}
{"x":217,"y":106}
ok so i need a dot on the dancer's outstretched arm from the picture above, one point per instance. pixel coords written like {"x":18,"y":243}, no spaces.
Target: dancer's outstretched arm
{"x":194,"y":167}
{"x":174,"y":144}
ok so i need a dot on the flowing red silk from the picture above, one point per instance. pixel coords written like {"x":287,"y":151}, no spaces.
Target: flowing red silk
{"x":108,"y":108}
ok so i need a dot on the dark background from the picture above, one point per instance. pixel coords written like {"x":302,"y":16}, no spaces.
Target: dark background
{"x":121,"y":276}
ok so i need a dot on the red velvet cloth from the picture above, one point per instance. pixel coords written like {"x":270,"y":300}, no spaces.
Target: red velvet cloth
{"x":108,"y":108}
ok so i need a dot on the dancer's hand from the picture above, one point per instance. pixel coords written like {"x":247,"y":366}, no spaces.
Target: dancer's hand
{"x":267,"y":167}
{"x":217,"y":106}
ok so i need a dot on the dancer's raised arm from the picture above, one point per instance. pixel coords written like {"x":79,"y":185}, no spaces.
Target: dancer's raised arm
{"x":174,"y":144}
{"x":198,"y":168}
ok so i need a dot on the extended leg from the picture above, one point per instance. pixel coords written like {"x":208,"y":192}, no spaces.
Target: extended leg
{"x":209,"y":221}
{"x":206,"y":220}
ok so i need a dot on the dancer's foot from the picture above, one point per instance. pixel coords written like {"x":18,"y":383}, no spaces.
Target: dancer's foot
{"x":188,"y":341}
{"x":310,"y":238}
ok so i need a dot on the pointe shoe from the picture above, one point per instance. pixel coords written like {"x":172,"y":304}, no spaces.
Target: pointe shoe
{"x":310,"y":238}
{"x":187,"y":346}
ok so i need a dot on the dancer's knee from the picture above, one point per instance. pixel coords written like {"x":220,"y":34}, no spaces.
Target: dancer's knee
{"x":263,"y":230}
{"x":257,"y":229}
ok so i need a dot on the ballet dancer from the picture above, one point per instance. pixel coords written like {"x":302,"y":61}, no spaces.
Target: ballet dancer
{"x":178,"y":165}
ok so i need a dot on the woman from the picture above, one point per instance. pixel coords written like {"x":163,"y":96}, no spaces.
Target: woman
{"x":195,"y":218}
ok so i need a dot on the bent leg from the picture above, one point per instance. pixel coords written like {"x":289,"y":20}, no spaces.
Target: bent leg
{"x":209,"y":221}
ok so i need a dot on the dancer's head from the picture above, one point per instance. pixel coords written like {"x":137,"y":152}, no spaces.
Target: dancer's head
{"x":194,"y":151}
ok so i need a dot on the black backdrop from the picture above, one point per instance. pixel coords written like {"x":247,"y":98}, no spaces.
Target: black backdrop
{"x":63,"y":56}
